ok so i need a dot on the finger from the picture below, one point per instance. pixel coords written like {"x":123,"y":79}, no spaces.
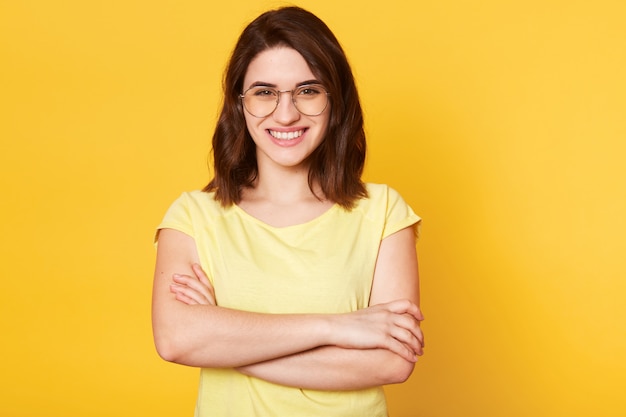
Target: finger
{"x":405,"y":306}
{"x":401,"y":350}
{"x":182,"y":297}
{"x":204,"y":279}
{"x":406,"y":329}
{"x":420,"y":337}
{"x":189,"y":294}
{"x":200,"y":274}
{"x":408,"y":322}
{"x":408,"y":339}
{"x":418,"y":333}
{"x":193,"y":283}
{"x":189,"y":281}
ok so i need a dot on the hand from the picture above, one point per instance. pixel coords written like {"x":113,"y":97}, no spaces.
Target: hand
{"x":193,"y":290}
{"x":394,"y":326}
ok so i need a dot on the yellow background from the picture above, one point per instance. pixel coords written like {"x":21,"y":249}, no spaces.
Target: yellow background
{"x":501,"y":122}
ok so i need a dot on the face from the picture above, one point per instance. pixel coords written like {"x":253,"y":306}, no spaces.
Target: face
{"x":285,"y":138}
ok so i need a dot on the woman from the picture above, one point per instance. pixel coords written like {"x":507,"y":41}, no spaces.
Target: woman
{"x":309,"y":300}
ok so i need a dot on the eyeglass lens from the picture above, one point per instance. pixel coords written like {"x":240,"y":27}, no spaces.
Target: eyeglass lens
{"x":310,"y":100}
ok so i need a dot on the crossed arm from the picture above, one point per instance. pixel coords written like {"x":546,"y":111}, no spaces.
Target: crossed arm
{"x":370,"y":347}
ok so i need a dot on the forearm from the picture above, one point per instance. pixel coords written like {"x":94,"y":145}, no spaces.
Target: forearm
{"x":205,"y":335}
{"x":190,"y":329}
{"x":334,"y":368}
{"x":210,"y":336}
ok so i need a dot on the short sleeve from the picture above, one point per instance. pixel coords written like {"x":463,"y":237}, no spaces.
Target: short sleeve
{"x":399,"y":214}
{"x":177,"y":217}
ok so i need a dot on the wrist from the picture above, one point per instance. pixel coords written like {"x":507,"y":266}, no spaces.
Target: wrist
{"x":329,"y":325}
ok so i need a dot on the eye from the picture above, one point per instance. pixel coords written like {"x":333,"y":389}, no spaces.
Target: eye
{"x":264,"y":92}
{"x":310,"y":90}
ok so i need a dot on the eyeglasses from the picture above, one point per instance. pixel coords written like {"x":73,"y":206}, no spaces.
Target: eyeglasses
{"x":309,"y":100}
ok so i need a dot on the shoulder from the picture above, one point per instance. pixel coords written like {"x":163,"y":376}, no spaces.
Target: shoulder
{"x":379,"y":196}
{"x":381,"y":191}
{"x":196,"y":200}
{"x":193,"y":211}
{"x":191,"y":206}
{"x":387,"y":205}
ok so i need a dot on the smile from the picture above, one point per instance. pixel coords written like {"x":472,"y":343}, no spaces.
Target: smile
{"x":286,"y":135}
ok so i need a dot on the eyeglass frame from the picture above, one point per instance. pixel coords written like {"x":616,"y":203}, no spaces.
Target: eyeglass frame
{"x":278,"y":96}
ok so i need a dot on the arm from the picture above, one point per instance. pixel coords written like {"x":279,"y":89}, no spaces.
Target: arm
{"x":331,"y":368}
{"x":334,"y":368}
{"x":207,"y":335}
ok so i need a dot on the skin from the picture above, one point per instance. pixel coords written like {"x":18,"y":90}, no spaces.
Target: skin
{"x":283,"y":68}
{"x":315,"y":351}
{"x":281,"y":196}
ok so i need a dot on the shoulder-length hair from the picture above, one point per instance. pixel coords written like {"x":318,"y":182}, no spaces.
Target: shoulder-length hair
{"x":337,"y":164}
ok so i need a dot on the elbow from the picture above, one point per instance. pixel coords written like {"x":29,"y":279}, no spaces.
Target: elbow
{"x":169,"y":348}
{"x":403,"y":372}
{"x":166,"y":349}
{"x":172,"y":340}
{"x":398,"y":371}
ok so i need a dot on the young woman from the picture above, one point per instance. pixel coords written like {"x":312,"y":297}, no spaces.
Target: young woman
{"x":290,"y":282}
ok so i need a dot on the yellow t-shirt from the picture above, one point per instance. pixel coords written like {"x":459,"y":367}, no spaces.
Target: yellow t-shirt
{"x":325,"y":265}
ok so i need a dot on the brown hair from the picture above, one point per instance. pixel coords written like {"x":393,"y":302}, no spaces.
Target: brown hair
{"x":337,"y":163}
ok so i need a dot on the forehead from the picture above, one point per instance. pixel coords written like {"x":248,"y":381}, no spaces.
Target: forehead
{"x":280,"y":66}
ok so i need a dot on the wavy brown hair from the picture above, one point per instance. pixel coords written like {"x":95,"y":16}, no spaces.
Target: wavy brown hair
{"x":337,"y":164}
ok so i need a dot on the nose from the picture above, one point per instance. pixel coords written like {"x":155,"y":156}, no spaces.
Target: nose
{"x":285,"y":112}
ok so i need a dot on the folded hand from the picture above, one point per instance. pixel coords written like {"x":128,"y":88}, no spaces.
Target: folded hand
{"x":193,"y":290}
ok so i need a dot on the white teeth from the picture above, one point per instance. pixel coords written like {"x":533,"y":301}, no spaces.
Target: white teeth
{"x":286,"y":135}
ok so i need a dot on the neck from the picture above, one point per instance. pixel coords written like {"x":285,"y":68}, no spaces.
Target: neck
{"x":286,"y":185}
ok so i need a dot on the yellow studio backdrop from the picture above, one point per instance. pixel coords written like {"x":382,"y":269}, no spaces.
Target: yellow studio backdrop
{"x":501,"y":122}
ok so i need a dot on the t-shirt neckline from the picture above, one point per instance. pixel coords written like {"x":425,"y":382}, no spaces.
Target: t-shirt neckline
{"x":311,"y":222}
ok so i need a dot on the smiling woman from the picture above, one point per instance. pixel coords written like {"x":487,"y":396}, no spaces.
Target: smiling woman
{"x":288,"y":280}
{"x":309,"y":98}
{"x":285,"y":136}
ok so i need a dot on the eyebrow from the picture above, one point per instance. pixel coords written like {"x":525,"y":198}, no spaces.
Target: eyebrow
{"x":266,"y":84}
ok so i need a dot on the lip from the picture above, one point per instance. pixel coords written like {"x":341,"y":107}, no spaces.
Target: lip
{"x":289,"y":137}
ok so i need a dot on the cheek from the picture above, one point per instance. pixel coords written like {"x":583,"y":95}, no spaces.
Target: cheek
{"x":250,"y":124}
{"x":325,"y":126}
